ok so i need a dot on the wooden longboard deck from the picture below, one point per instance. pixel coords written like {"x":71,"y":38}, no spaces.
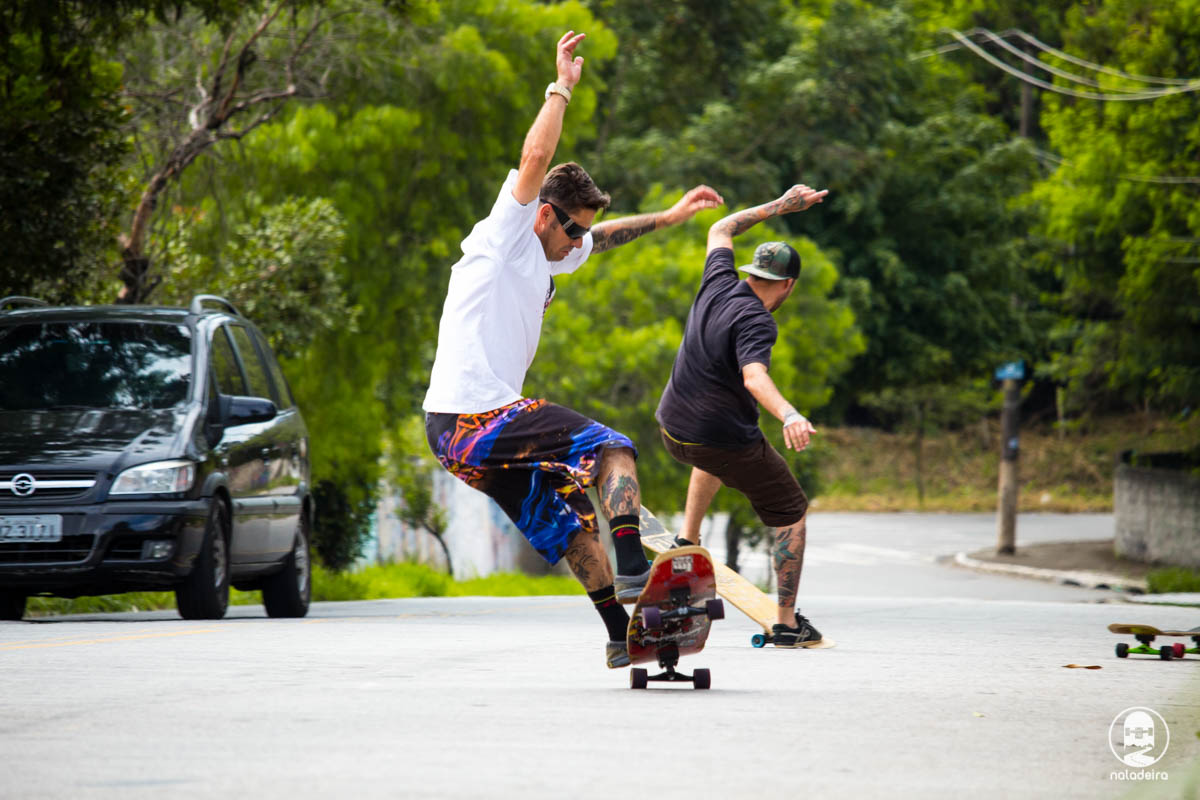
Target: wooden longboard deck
{"x":686,"y":568}
{"x":744,"y":595}
{"x":1148,"y":630}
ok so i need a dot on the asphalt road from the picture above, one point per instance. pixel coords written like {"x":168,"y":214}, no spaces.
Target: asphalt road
{"x":944,"y":684}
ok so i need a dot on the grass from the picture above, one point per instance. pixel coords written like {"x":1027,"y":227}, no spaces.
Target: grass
{"x":370,"y":583}
{"x":1173,"y":579}
{"x":1064,"y":470}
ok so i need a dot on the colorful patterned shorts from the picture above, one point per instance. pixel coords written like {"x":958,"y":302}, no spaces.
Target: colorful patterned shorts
{"x":535,"y":459}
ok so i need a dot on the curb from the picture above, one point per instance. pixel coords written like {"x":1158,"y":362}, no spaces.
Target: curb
{"x":1090,"y":580}
{"x":1169,"y":599}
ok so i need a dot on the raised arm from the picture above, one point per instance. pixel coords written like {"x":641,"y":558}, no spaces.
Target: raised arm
{"x":542,"y":139}
{"x":797,"y":198}
{"x":616,"y":232}
{"x":796,"y":428}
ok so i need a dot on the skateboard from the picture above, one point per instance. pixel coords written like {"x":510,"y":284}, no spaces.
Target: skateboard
{"x":673,"y":615}
{"x":744,"y":595}
{"x":1145,"y":635}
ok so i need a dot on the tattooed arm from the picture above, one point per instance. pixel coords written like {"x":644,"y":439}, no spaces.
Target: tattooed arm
{"x":614,"y":233}
{"x":798,"y":198}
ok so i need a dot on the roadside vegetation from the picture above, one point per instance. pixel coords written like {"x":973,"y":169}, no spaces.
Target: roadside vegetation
{"x":1063,"y":468}
{"x":1173,"y":579}
{"x":374,"y":582}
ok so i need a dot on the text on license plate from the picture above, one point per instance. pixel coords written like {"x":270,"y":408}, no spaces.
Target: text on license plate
{"x":31,"y":528}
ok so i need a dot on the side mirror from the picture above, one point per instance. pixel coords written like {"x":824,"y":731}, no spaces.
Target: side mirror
{"x":237,"y":410}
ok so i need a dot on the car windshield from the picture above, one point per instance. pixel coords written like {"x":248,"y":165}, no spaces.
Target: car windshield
{"x":130,"y":365}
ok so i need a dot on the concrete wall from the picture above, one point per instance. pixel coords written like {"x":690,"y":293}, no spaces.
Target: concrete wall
{"x":481,"y":539}
{"x":1157,"y":515}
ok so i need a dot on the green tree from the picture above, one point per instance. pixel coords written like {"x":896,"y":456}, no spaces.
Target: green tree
{"x":64,"y":137}
{"x":920,"y":214}
{"x":195,"y":84}
{"x":282,"y":270}
{"x":1120,"y":214}
{"x":61,"y":149}
{"x":410,"y":153}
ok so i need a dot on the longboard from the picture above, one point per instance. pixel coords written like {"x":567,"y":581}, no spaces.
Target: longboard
{"x":1145,"y":634}
{"x":744,"y":595}
{"x":673,"y":615}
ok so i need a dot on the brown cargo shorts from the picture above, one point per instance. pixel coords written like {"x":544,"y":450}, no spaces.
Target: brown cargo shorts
{"x":758,"y":471}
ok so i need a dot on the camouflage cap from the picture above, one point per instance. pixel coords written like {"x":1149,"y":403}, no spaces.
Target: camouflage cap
{"x":775,"y":261}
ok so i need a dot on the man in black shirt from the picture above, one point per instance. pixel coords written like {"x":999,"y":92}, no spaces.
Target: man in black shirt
{"x":709,"y":410}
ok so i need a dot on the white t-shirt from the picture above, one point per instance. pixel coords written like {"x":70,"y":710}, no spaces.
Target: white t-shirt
{"x":492,"y":319}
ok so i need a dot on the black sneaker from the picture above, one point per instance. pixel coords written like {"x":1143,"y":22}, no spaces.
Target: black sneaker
{"x":803,"y":635}
{"x":682,"y":542}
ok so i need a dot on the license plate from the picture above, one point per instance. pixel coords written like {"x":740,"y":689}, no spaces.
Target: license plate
{"x":31,"y":528}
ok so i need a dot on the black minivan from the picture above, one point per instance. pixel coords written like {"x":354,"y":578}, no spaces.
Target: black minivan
{"x":149,"y":448}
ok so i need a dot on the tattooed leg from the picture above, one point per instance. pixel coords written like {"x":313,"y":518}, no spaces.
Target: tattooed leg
{"x":618,"y":483}
{"x":587,"y":559}
{"x":789,"y":561}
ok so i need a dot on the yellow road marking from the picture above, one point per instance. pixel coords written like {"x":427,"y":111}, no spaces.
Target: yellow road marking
{"x":102,"y":639}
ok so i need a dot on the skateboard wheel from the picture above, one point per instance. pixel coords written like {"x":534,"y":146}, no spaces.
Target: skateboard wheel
{"x":759,"y":640}
{"x":1164,"y":653}
{"x":715,"y":608}
{"x":651,"y":617}
{"x":702,"y":679}
{"x":638,"y":678}
{"x":1122,"y":650}
{"x":1178,"y":650}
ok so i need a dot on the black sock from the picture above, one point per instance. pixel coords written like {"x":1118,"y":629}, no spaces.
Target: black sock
{"x":627,"y":541}
{"x":615,"y":617}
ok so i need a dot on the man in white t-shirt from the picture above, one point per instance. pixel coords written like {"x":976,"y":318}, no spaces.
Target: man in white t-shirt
{"x":535,"y":458}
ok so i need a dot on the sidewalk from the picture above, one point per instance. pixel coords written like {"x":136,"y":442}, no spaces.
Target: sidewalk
{"x":1091,"y":564}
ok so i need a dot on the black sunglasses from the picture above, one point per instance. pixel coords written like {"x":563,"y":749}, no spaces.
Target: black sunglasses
{"x":570,"y":227}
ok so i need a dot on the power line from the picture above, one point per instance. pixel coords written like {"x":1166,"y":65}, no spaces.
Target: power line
{"x":1151,"y":94}
{"x":1037,"y":62}
{"x":1040,"y":45}
{"x":1092,"y":65}
{"x":1169,"y":179}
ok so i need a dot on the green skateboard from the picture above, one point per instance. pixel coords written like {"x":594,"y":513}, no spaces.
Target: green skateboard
{"x":1145,"y":634}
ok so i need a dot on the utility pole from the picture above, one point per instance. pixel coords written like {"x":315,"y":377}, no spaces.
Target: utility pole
{"x":1006,"y":522}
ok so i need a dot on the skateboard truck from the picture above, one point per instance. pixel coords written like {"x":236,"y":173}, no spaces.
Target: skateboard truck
{"x":668,"y":657}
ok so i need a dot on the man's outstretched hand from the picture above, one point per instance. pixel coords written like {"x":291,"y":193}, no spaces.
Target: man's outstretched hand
{"x":800,"y":198}
{"x":695,"y":200}
{"x":570,"y":66}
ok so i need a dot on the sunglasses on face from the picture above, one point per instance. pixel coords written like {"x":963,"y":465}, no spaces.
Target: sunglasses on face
{"x":570,"y":227}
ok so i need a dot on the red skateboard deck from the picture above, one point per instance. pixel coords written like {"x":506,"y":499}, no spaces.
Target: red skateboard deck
{"x":673,"y":615}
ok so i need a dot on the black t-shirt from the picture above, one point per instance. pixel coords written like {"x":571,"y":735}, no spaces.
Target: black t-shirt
{"x":728,"y":327}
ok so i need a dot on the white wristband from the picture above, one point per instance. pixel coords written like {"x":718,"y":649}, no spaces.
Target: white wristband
{"x":792,"y":418}
{"x":559,"y":89}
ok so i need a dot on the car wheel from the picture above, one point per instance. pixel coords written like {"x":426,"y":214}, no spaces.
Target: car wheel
{"x":12,"y":605}
{"x":204,"y":594}
{"x":287,"y":593}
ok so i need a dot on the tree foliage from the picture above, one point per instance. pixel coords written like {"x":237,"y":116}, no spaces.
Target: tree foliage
{"x":931,"y":248}
{"x":1121,"y":216}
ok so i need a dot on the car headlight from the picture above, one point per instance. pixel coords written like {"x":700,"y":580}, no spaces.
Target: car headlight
{"x":156,"y":478}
